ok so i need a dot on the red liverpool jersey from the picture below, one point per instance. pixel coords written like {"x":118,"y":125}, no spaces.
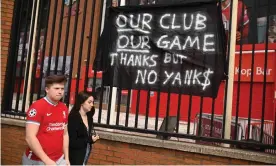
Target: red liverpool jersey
{"x":226,"y":16}
{"x":51,"y":119}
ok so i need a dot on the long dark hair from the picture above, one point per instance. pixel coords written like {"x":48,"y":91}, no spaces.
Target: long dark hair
{"x":81,"y":98}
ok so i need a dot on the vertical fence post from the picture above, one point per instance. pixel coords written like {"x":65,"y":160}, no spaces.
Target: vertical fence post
{"x":113,"y":106}
{"x":114,"y":91}
{"x":231,"y":67}
{"x":103,"y":16}
{"x":29,"y":73}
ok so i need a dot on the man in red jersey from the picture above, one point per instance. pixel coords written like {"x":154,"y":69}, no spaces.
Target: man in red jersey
{"x":241,"y":21}
{"x":46,"y":131}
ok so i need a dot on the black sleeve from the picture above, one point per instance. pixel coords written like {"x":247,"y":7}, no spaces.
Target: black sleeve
{"x":73,"y":128}
{"x":90,"y":128}
{"x":93,"y":131}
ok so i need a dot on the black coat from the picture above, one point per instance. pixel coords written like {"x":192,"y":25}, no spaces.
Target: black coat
{"x":78,"y":136}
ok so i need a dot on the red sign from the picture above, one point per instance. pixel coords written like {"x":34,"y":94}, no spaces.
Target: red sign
{"x":258,"y":68}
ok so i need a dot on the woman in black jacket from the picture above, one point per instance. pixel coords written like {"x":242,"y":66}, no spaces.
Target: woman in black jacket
{"x":80,"y":129}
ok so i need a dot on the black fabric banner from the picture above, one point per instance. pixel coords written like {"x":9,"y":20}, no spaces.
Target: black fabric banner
{"x":177,"y":48}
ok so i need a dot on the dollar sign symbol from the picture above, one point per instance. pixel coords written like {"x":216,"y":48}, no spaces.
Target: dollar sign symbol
{"x":207,"y":80}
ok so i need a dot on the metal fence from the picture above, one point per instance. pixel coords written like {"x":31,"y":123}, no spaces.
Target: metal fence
{"x":52,"y":37}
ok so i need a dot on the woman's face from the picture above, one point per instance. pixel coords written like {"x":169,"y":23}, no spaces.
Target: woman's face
{"x":88,"y":104}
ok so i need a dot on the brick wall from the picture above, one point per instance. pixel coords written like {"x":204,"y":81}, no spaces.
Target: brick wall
{"x":6,"y":21}
{"x":111,"y":152}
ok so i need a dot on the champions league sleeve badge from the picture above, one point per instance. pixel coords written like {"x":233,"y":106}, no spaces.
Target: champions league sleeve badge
{"x":32,"y":113}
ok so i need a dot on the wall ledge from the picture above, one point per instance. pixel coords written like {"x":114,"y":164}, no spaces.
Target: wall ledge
{"x":175,"y":145}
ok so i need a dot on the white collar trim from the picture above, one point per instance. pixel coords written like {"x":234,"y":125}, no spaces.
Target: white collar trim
{"x":49,"y":101}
